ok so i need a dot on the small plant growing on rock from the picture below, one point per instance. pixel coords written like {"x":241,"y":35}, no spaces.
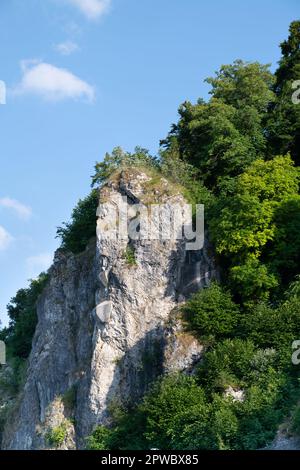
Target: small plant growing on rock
{"x":57,"y":435}
{"x":129,"y":256}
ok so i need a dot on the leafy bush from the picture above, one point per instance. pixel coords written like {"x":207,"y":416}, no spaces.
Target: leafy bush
{"x":244,"y":223}
{"x":161,"y":420}
{"x":129,"y":256}
{"x":285,"y":249}
{"x":252,"y":281}
{"x":119,"y":159}
{"x":100,"y":439}
{"x":273,"y":327}
{"x":179,"y":414}
{"x":174,"y":403}
{"x":126,"y":432}
{"x":228,"y":364}
{"x":57,"y":435}
{"x":76,"y":234}
{"x":212,"y":312}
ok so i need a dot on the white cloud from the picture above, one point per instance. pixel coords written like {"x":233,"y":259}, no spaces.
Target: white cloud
{"x":92,"y":9}
{"x":67,"y":47}
{"x":24,"y":212}
{"x":37,"y":264}
{"x":52,"y":83}
{"x":5,"y":239}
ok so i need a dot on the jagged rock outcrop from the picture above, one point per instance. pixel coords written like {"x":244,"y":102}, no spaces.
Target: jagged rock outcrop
{"x":7,"y":395}
{"x":104,"y":331}
{"x":61,"y":352}
{"x":182,"y":352}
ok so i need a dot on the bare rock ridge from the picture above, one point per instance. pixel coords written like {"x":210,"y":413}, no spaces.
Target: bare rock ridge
{"x":106,"y":326}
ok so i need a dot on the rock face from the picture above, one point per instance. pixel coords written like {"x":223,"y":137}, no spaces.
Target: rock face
{"x":182,"y":352}
{"x":285,"y":443}
{"x":61,"y":353}
{"x":104,"y":331}
{"x":285,"y":438}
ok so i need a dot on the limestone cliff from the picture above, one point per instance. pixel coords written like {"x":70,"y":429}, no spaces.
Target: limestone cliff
{"x":106,"y":325}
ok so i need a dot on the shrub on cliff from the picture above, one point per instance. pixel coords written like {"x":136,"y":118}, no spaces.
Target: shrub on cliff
{"x":76,"y":234}
{"x":212,"y":312}
{"x":119,"y":159}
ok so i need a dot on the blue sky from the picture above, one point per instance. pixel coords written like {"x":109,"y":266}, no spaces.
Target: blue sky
{"x":84,"y":76}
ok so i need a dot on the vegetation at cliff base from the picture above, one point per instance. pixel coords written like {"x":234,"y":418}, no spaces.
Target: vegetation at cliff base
{"x":18,"y":337}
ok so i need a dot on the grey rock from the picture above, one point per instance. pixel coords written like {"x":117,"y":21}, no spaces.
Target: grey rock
{"x":103,"y":311}
{"x":103,"y":276}
{"x":117,"y":353}
{"x":285,"y":443}
{"x":236,"y":395}
{"x":182,"y":351}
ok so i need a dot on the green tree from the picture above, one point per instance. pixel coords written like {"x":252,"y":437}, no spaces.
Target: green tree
{"x":227,"y":364}
{"x":285,"y":250}
{"x":275,"y":327}
{"x":76,"y":234}
{"x":252,"y":281}
{"x":175,"y":403}
{"x":23,"y":318}
{"x":244,"y":223}
{"x":251,"y":228}
{"x":212,"y":312}
{"x":222,"y":137}
{"x":283,"y":123}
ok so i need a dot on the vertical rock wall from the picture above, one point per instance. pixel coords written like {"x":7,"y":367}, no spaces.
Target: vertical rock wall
{"x":102,"y":334}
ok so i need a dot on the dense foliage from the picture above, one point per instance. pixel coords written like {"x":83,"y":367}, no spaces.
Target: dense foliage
{"x":23,"y":319}
{"x":250,"y":355}
{"x":222,"y":137}
{"x":76,"y":234}
{"x":212,"y":312}
{"x":283,"y":123}
{"x":18,"y":336}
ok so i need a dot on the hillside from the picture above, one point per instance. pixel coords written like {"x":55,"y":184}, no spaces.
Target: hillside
{"x":137,"y":341}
